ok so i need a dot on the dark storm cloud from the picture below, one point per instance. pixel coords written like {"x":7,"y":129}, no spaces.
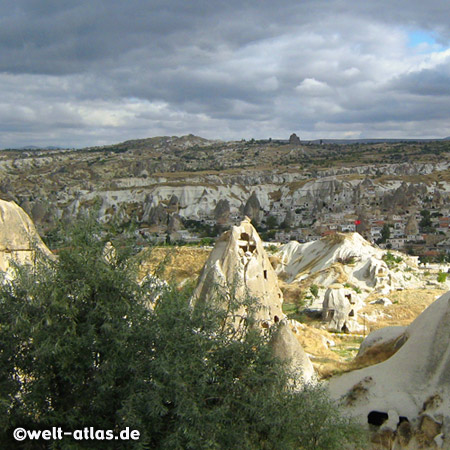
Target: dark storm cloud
{"x":106,"y":70}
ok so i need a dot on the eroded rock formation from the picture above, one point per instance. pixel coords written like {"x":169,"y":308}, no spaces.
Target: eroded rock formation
{"x":340,"y":308}
{"x":347,"y":269}
{"x":287,"y":347}
{"x":19,"y":240}
{"x":239,"y":263}
{"x":408,"y":395}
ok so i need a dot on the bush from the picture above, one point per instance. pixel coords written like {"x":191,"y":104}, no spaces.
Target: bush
{"x":207,"y":241}
{"x":391,"y":260}
{"x":348,"y":260}
{"x":314,"y":289}
{"x":442,"y":277}
{"x":81,"y":347}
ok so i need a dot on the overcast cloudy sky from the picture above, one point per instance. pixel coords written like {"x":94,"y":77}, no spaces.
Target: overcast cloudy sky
{"x":91,"y":72}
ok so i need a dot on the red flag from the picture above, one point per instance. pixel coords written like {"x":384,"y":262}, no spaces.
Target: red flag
{"x":357,"y":222}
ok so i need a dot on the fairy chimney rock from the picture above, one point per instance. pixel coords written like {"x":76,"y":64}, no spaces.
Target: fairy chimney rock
{"x":287,"y":348}
{"x":239,"y":262}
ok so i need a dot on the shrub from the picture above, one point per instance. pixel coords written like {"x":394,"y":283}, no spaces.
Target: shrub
{"x":391,"y":260}
{"x":207,"y":241}
{"x":347,"y":260}
{"x":442,"y":277}
{"x":80,"y":346}
{"x":314,"y":289}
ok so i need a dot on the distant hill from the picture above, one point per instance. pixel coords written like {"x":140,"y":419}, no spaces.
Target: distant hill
{"x":187,"y":141}
{"x":36,"y":147}
{"x":371,"y":141}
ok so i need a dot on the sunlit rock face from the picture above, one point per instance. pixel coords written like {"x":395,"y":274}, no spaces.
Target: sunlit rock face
{"x":411,"y":386}
{"x":346,"y":269}
{"x":238,"y":266}
{"x":239,"y":262}
{"x":287,"y":347}
{"x":19,"y":240}
{"x":340,"y":308}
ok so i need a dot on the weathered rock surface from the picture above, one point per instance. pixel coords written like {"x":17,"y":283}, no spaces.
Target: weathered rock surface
{"x":287,"y":348}
{"x":414,"y":383}
{"x":352,"y":263}
{"x":361,"y":262}
{"x":252,"y":207}
{"x":294,"y":139}
{"x":19,"y":240}
{"x":131,"y":177}
{"x":239,"y":263}
{"x":383,"y":337}
{"x":340,"y":308}
{"x":222,"y":211}
{"x":412,"y":227}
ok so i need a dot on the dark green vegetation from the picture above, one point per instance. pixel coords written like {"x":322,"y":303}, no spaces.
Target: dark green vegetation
{"x":81,"y":347}
{"x":391,"y":260}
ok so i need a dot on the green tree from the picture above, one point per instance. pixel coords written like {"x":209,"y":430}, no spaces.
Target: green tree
{"x":385,"y":234}
{"x":271,"y":222}
{"x":81,"y":346}
{"x":425,"y":223}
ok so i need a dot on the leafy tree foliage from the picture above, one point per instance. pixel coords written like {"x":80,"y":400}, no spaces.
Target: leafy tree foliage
{"x":80,"y":346}
{"x":425,"y":223}
{"x":271,"y":222}
{"x":385,"y":232}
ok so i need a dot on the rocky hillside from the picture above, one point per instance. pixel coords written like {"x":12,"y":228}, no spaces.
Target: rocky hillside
{"x":185,"y":186}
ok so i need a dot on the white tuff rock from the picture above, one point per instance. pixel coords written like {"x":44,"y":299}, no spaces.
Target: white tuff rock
{"x":415,"y":381}
{"x":239,"y":261}
{"x":19,"y":240}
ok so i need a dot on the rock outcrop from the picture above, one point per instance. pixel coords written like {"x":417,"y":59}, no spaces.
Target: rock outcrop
{"x":19,"y":240}
{"x":294,"y":139}
{"x":340,"y":308}
{"x":240,"y":264}
{"x":412,"y":227}
{"x":383,"y":338}
{"x":252,"y":208}
{"x":287,"y":348}
{"x":411,"y":388}
{"x":222,"y":211}
{"x":346,"y":259}
{"x":157,"y":215}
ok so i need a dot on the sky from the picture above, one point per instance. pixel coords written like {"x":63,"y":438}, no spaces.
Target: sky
{"x":77,"y":73}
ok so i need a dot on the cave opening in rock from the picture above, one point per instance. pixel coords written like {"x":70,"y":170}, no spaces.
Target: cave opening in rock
{"x":265,"y":274}
{"x":352,"y":313}
{"x":377,"y":418}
